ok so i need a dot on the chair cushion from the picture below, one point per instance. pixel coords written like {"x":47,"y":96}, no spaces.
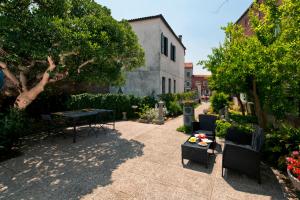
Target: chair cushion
{"x":257,"y":139}
{"x":238,"y":136}
{"x":207,"y":122}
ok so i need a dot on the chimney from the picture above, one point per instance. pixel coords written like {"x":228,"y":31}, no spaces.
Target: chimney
{"x":180,"y":37}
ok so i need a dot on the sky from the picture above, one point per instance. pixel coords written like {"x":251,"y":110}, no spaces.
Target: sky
{"x":199,"y":21}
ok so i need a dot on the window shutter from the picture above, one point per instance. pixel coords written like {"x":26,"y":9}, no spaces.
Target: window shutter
{"x":174,"y":57}
{"x":167,"y":46}
{"x":162,"y":43}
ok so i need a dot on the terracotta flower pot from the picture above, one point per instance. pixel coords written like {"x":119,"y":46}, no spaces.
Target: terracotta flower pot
{"x":295,"y":181}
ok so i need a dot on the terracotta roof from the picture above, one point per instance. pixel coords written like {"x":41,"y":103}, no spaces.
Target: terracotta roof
{"x":188,"y":65}
{"x":165,"y":22}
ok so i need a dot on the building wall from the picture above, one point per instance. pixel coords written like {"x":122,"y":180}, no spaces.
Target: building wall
{"x":144,"y":80}
{"x":147,"y":80}
{"x":202,"y":81}
{"x":188,"y":79}
{"x":244,"y":20}
{"x":168,"y":68}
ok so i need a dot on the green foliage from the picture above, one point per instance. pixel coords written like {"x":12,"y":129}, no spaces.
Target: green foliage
{"x":264,"y":65}
{"x":149,"y":100}
{"x":280,"y":143}
{"x":222,"y":127}
{"x":175,"y":109}
{"x":219,"y":101}
{"x":184,"y":129}
{"x":12,"y":125}
{"x":238,"y":118}
{"x":148,"y":113}
{"x":174,"y":102}
{"x":32,"y":30}
{"x":48,"y":102}
{"x":118,"y":102}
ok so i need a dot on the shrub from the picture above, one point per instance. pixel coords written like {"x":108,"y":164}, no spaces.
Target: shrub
{"x":148,"y":113}
{"x":148,"y":100}
{"x":179,"y":98}
{"x":219,"y":101}
{"x":48,"y":102}
{"x":118,"y":102}
{"x":238,"y":118}
{"x":280,"y":143}
{"x":175,"y":108}
{"x":12,"y":125}
{"x":222,"y":127}
{"x":184,"y":129}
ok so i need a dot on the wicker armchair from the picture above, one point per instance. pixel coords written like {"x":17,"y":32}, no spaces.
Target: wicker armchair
{"x":207,"y":125}
{"x":242,"y":152}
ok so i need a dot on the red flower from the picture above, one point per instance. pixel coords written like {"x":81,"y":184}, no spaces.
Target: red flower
{"x":297,"y":171}
{"x":295,"y":153}
{"x":290,"y":167}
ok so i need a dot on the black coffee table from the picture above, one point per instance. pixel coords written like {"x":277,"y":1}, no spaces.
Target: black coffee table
{"x":195,"y":152}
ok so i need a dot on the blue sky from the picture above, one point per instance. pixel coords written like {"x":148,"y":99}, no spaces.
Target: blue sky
{"x":199,"y":21}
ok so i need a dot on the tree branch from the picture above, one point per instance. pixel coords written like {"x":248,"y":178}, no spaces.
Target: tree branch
{"x":63,"y":56}
{"x":85,"y":63}
{"x":9,"y":74}
{"x":3,"y":53}
{"x":26,"y":97}
{"x":23,"y":81}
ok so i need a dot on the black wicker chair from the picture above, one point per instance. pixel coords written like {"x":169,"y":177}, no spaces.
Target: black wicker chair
{"x":207,"y":125}
{"x":242,"y":152}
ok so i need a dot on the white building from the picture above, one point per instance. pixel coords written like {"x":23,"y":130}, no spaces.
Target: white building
{"x":164,"y":55}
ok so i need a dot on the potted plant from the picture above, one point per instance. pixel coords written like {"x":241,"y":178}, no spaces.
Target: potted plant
{"x":293,"y":168}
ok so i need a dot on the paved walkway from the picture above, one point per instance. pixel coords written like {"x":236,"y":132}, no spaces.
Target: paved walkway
{"x":138,"y":161}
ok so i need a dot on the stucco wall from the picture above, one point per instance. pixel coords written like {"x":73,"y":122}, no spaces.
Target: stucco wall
{"x":169,"y":68}
{"x":147,"y":80}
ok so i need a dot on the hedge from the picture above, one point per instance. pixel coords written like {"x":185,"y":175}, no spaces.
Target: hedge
{"x":117,"y":102}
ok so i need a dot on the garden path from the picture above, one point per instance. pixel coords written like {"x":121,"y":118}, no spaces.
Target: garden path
{"x":137,"y":161}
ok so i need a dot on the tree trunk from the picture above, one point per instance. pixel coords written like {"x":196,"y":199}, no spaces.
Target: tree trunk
{"x":258,"y":109}
{"x":241,"y":104}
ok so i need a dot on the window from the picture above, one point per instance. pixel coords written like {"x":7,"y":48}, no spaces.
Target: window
{"x":170,"y":86}
{"x":164,"y":45}
{"x":187,"y":84}
{"x":188,"y":74}
{"x":174,"y":86}
{"x":173,"y":52}
{"x":163,"y":85}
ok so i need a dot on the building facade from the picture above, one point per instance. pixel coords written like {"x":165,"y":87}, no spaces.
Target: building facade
{"x":164,"y":55}
{"x":200,"y":83}
{"x":188,"y":73}
{"x":244,"y":19}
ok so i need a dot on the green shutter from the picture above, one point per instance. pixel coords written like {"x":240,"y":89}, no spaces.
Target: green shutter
{"x":174,"y":53}
{"x":167,"y":46}
{"x":162,"y":43}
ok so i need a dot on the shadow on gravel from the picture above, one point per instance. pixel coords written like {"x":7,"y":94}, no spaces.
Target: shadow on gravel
{"x":60,"y":169}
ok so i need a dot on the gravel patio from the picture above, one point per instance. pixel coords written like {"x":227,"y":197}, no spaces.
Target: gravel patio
{"x":137,"y":161}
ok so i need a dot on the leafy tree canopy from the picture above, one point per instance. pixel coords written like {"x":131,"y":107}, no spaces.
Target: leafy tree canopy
{"x":73,"y":32}
{"x":81,"y":37}
{"x":265,"y":64}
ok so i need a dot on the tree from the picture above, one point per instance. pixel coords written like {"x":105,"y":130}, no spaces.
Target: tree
{"x":264,"y":65}
{"x":44,"y":41}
